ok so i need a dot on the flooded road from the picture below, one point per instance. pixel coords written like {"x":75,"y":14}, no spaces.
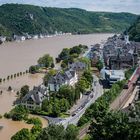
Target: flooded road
{"x":18,"y":56}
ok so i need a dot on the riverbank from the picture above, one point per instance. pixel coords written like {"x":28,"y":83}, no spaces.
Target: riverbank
{"x":19,"y":56}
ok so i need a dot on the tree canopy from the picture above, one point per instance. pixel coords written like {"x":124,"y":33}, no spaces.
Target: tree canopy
{"x":57,"y":132}
{"x":134,"y":31}
{"x":49,"y":20}
{"x":45,"y":61}
{"x":24,"y":90}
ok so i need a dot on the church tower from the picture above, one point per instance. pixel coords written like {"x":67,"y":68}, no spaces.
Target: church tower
{"x":126,"y":38}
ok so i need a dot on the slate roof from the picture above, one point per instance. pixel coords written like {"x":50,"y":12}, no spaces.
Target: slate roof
{"x":77,"y":65}
{"x":124,"y":58}
{"x":116,"y":50}
{"x":61,"y":78}
{"x":37,"y":94}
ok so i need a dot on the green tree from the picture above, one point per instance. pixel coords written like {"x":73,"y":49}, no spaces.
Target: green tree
{"x":83,"y":84}
{"x":64,"y":54}
{"x":63,"y":65}
{"x":68,"y":93}
{"x":19,"y":113}
{"x":64,"y":105}
{"x":35,"y":121}
{"x":113,"y":125}
{"x":56,"y":108}
{"x":53,"y":132}
{"x":45,"y":61}
{"x":71,"y":132}
{"x":24,"y":90}
{"x":47,"y":106}
{"x":33,"y":69}
{"x":77,"y":93}
{"x":76,"y":50}
{"x":23,"y":134}
{"x":88,"y":76}
{"x":35,"y":131}
{"x":99,"y":65}
{"x":86,"y":61}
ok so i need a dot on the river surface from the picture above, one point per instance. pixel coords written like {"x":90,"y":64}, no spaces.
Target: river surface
{"x":18,"y":56}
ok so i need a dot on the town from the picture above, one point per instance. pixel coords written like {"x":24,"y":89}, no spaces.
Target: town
{"x":68,"y":73}
{"x":26,"y":36}
{"x":83,"y":76}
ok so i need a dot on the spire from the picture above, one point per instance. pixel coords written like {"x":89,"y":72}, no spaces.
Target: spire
{"x":126,"y":38}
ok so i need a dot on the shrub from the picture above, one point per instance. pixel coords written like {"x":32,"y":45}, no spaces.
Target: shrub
{"x":35,"y":121}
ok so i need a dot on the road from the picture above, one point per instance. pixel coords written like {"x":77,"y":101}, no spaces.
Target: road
{"x":98,"y":91}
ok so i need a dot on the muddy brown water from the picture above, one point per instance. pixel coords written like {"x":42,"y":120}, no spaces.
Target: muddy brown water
{"x":6,"y":104}
{"x":18,"y":56}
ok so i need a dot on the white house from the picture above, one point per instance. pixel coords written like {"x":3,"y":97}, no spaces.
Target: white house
{"x":112,"y":76}
{"x":35,"y":37}
{"x":19,"y":38}
{"x":69,"y":77}
{"x":2,"y":38}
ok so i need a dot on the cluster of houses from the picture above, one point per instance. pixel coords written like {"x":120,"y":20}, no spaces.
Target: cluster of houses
{"x":69,"y":77}
{"x":95,"y":54}
{"x":26,"y":36}
{"x":119,"y":54}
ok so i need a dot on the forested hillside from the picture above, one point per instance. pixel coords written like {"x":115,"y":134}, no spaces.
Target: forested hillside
{"x":19,"y":19}
{"x":134,"y":31}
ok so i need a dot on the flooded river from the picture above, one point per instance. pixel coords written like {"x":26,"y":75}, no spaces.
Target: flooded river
{"x":16,"y":57}
{"x":6,"y":104}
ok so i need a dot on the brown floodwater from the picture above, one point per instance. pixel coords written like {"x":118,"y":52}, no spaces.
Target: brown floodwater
{"x":6,"y":104}
{"x":18,"y":56}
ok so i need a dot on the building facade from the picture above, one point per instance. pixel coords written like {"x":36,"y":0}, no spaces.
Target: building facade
{"x":68,"y":77}
{"x":34,"y":98}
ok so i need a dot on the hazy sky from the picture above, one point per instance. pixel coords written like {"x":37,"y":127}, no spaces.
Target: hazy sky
{"x":132,"y":6}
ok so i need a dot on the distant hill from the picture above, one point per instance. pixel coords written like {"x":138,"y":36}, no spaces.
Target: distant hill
{"x":134,"y":31}
{"x":19,"y":19}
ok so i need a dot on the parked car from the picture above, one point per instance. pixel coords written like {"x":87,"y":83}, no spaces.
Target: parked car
{"x":88,"y":93}
{"x":73,"y":114}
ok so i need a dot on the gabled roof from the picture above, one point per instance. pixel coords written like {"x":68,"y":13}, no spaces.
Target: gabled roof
{"x":61,"y":78}
{"x":77,"y":65}
{"x":125,"y":58}
{"x":37,"y":95}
